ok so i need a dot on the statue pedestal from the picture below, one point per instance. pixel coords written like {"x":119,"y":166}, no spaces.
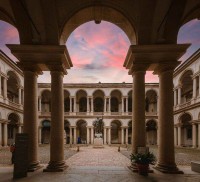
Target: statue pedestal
{"x":98,"y":143}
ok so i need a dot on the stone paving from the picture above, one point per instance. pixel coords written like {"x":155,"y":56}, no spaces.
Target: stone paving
{"x":99,"y":165}
{"x":183,"y":156}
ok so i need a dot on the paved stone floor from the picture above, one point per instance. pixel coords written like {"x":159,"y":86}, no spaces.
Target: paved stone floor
{"x":98,"y":165}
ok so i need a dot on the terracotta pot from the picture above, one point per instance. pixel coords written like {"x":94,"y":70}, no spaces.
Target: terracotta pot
{"x":143,"y":169}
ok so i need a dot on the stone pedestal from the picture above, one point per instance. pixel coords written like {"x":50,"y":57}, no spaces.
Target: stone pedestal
{"x":98,"y":143}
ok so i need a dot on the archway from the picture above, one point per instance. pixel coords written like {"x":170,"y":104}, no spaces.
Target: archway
{"x":116,"y":101}
{"x":98,"y":97}
{"x":81,"y":131}
{"x":151,"y":132}
{"x":81,"y":97}
{"x":115,"y":132}
{"x":67,"y":131}
{"x":186,"y":130}
{"x":151,"y":102}
{"x":12,"y":127}
{"x":46,"y":126}
{"x":13,"y":84}
{"x":46,"y":101}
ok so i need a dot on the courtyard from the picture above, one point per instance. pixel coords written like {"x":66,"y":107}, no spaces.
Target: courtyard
{"x":100,"y":164}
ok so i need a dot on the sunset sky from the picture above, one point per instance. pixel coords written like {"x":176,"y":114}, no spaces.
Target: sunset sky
{"x":98,"y":51}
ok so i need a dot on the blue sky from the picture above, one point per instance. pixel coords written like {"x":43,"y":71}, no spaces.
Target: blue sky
{"x":99,"y":50}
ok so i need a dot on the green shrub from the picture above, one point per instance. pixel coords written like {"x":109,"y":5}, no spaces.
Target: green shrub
{"x":148,"y":158}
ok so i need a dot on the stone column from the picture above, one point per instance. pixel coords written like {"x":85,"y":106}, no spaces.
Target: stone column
{"x":179,"y":95}
{"x":126,"y":104}
{"x":166,"y":155}
{"x":122,"y":142}
{"x":40,"y":103}
{"x":194,"y":135}
{"x":92,"y":135}
{"x":179,"y":136}
{"x":19,"y":95}
{"x":194,"y":88}
{"x":88,"y":109}
{"x":19,"y":129}
{"x":92,"y":104}
{"x":74,"y":104}
{"x":175,"y":136}
{"x":198,"y":135}
{"x":122,"y":105}
{"x":5,"y":88}
{"x":70,"y":104}
{"x":175,"y":102}
{"x":0,"y":134}
{"x":88,"y":134}
{"x":40,"y":135}
{"x":126,"y":136}
{"x":138,"y":111}
{"x":5,"y":134}
{"x":199,"y":85}
{"x":31,"y":117}
{"x":109,"y":104}
{"x":70,"y":135}
{"x":75,"y":140}
{"x":105,"y":134}
{"x":109,"y":136}
{"x":105,"y":104}
{"x":57,"y":162}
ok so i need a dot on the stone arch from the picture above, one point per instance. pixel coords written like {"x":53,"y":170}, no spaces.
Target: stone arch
{"x":46,"y":101}
{"x":116,"y":100}
{"x":46,"y":126}
{"x":151,"y":132}
{"x":186,"y":83}
{"x":81,"y":127}
{"x":13,"y":84}
{"x":98,"y":100}
{"x":151,"y":101}
{"x":66,"y":101}
{"x":186,"y":129}
{"x":116,"y":131}
{"x":14,"y":120}
{"x":98,"y":13}
{"x":81,"y":99}
{"x":67,"y":131}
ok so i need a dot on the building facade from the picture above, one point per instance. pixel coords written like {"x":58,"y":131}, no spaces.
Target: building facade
{"x":111,"y":102}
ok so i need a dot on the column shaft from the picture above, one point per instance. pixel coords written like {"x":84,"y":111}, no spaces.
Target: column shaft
{"x":109,"y":104}
{"x":92,"y":104}
{"x":109,"y":136}
{"x":179,"y":136}
{"x":31,"y":116}
{"x":105,"y":105}
{"x":198,"y":135}
{"x":127,"y":104}
{"x":194,"y":87}
{"x":194,"y":136}
{"x":5,"y":134}
{"x":126,"y":136}
{"x":40,"y":135}
{"x":122,"y":130}
{"x":75,"y":141}
{"x":166,"y":155}
{"x":179,"y":95}
{"x":74,"y":104}
{"x":105,"y":134}
{"x":5,"y":88}
{"x":122,"y":105}
{"x":175,"y":136}
{"x":70,"y":104}
{"x":19,"y":96}
{"x":57,"y":162}
{"x":175,"y":97}
{"x":0,"y":86}
{"x":70,"y":135}
{"x":88,"y":99}
{"x":138,"y":111}
{"x":88,"y":134}
{"x":92,"y":135}
{"x":0,"y":133}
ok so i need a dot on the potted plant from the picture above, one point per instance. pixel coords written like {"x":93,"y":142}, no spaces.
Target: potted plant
{"x":142,"y":161}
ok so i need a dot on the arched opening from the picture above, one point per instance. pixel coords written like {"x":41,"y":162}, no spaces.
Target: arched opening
{"x":130,"y":132}
{"x":186,"y":130}
{"x":187,"y":86}
{"x":98,"y":97}
{"x":46,"y":101}
{"x":81,"y":132}
{"x":12,"y":127}
{"x":13,"y":84}
{"x":67,"y":131}
{"x":151,"y":102}
{"x":81,"y":97}
{"x":115,"y":132}
{"x":116,"y":101}
{"x":151,"y":132}
{"x":46,"y":126}
{"x":130,"y":104}
{"x":66,"y":101}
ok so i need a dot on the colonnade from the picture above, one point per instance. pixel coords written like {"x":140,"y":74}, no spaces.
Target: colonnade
{"x":137,"y":66}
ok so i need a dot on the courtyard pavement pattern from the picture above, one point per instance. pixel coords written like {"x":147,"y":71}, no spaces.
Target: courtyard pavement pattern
{"x":97,"y":165}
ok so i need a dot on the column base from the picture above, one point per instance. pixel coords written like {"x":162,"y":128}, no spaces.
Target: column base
{"x":170,"y":169}
{"x":56,"y":166}
{"x":34,"y":166}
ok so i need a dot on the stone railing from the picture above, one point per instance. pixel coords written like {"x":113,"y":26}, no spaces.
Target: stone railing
{"x":188,"y":103}
{"x":14,"y":104}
